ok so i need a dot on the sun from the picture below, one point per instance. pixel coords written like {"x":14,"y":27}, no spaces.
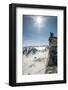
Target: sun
{"x":39,"y":20}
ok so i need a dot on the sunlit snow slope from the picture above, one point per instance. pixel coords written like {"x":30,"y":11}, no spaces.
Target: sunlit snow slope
{"x":35,"y":60}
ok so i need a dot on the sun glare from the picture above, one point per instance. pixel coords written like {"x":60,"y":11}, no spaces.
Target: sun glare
{"x":39,"y":20}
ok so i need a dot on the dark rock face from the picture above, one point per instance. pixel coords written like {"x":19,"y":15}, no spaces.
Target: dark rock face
{"x":52,"y":50}
{"x":51,"y":69}
{"x":27,"y":51}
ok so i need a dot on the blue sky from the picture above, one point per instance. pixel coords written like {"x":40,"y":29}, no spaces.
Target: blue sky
{"x":35,"y":35}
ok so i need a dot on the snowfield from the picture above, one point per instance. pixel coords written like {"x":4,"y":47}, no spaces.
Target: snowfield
{"x":35,"y":60}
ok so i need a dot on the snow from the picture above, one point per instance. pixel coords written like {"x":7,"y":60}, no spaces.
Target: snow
{"x":36,"y":63}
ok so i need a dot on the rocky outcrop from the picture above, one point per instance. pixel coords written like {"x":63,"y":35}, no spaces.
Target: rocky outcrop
{"x":52,"y":50}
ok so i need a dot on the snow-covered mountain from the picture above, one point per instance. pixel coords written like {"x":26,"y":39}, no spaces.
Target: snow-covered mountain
{"x":34,"y":50}
{"x":35,"y":60}
{"x":27,"y":51}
